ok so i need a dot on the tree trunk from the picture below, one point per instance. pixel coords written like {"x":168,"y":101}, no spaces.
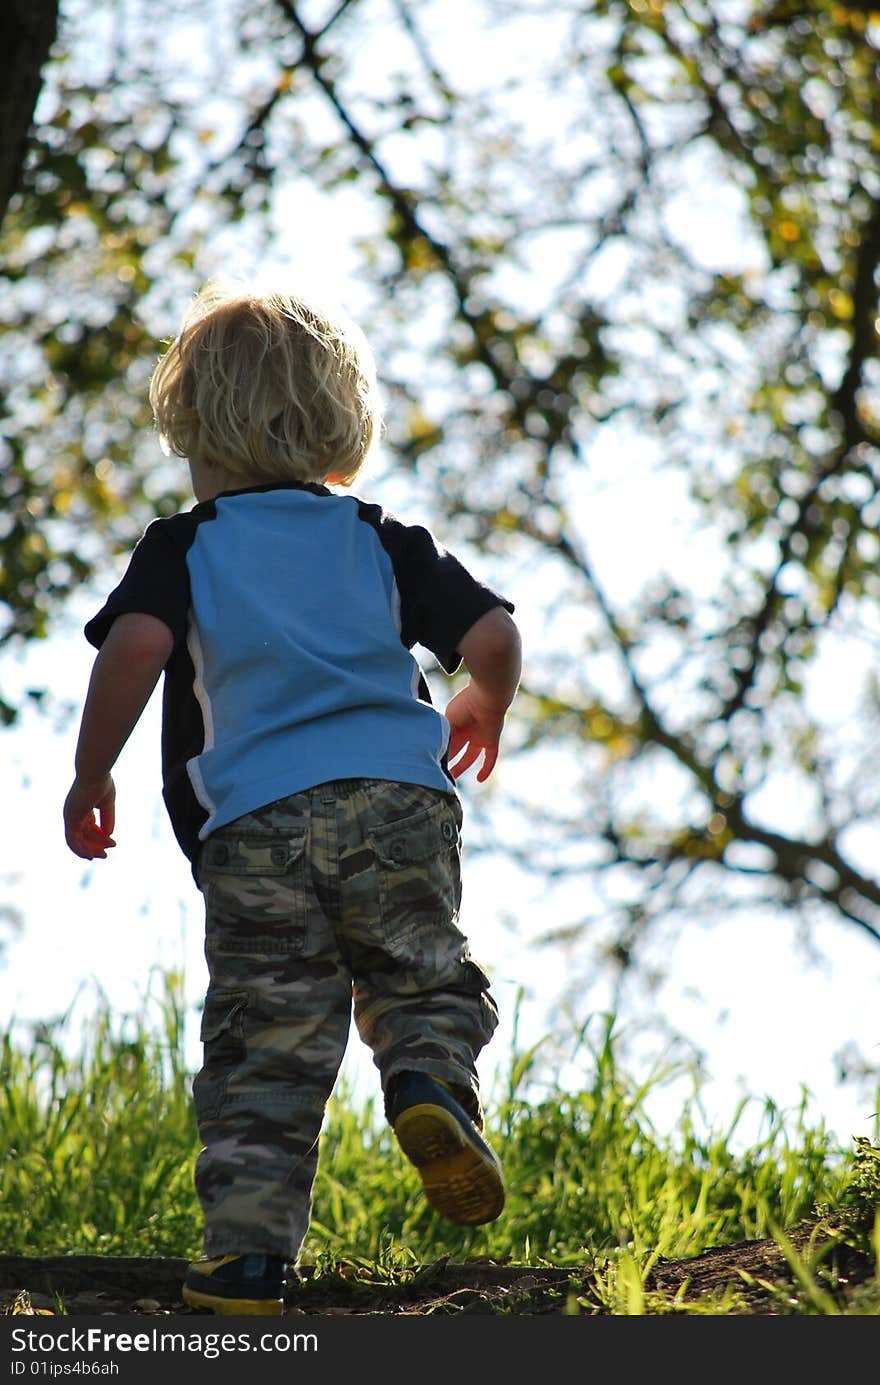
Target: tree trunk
{"x":27,"y":32}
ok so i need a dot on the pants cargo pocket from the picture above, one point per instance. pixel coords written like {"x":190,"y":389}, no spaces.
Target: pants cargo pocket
{"x":418,"y":865}
{"x":222,"y":1036}
{"x":254,"y":887}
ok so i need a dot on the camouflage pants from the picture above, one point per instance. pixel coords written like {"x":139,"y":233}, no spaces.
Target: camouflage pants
{"x":346,"y":893}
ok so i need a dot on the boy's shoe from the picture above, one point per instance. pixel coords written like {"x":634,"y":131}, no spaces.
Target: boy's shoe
{"x":237,"y":1284}
{"x":461,"y":1175}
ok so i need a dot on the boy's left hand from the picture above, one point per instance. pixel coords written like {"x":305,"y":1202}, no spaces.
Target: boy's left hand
{"x":475,"y":730}
{"x":87,"y":836}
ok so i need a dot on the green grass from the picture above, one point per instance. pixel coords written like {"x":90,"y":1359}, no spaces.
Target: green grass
{"x":97,"y":1152}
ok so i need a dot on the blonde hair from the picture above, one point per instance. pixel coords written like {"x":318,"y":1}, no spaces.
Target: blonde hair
{"x":269,"y":387}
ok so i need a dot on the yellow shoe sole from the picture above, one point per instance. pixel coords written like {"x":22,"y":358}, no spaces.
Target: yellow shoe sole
{"x":461,"y":1182}
{"x":237,"y":1307}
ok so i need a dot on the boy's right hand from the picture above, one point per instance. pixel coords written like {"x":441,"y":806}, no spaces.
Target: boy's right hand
{"x":87,"y":836}
{"x":476,"y":730}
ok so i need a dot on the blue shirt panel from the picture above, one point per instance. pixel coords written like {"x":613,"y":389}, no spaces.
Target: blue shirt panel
{"x":300,"y":670}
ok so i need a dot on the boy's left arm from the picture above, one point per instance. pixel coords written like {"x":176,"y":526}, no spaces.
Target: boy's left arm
{"x":127,"y":669}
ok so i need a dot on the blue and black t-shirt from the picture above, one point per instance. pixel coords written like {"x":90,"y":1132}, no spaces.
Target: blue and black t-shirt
{"x":293,"y":611}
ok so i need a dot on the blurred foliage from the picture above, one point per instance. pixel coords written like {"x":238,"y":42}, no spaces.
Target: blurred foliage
{"x":608,"y":241}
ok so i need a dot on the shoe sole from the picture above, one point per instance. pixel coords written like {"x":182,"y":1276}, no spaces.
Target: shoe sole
{"x":238,"y":1307}
{"x":460,"y":1182}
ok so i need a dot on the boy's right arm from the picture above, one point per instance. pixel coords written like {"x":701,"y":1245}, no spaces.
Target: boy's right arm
{"x":124,"y":675}
{"x":492,"y":653}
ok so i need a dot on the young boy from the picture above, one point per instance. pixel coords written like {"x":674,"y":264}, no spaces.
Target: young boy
{"x":306,"y":775}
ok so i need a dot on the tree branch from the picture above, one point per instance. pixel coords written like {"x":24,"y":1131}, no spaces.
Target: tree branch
{"x":27,"y":32}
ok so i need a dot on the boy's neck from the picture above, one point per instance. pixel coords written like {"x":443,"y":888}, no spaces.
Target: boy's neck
{"x":210,"y":480}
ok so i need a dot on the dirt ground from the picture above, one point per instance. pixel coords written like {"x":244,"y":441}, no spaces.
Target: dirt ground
{"x":756,"y":1270}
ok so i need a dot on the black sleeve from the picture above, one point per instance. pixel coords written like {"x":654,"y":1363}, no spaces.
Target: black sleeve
{"x":156,"y":583}
{"x":439,"y":599}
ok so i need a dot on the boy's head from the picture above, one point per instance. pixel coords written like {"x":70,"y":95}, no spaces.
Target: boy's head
{"x":267,"y":387}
